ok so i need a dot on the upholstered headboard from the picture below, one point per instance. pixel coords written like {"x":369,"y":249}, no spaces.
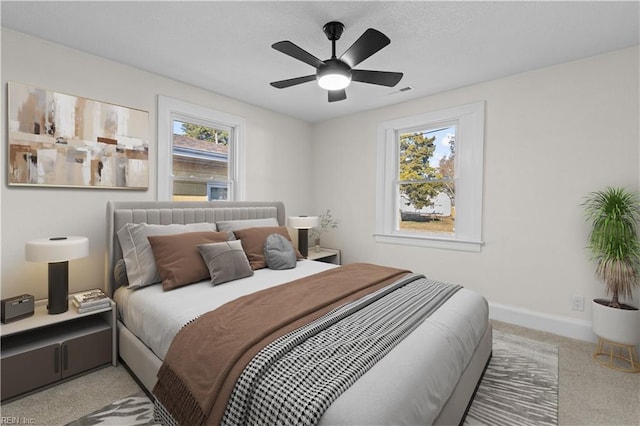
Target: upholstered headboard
{"x":183,"y":212}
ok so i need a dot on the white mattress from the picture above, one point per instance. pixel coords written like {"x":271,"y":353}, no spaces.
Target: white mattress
{"x":408,"y":385}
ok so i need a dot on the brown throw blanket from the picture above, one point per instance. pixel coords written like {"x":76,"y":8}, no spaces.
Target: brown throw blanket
{"x":208,"y":355}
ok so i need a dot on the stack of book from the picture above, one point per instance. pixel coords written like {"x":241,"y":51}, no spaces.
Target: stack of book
{"x":91,"y":300}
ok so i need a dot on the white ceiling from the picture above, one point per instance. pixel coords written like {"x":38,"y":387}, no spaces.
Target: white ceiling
{"x":225,"y":46}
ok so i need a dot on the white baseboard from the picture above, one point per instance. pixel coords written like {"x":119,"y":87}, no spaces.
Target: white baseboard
{"x":562,"y":326}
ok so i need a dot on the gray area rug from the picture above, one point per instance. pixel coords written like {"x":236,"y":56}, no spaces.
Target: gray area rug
{"x":520,"y":386}
{"x":133,"y":410}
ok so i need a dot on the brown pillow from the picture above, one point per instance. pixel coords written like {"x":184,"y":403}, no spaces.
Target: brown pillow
{"x":178,"y":258}
{"x":253,"y":239}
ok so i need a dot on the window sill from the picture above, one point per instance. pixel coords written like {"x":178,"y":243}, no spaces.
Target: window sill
{"x":432,"y":242}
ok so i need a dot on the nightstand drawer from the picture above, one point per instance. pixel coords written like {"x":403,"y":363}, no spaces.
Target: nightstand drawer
{"x":86,"y":352}
{"x":43,"y":356}
{"x":30,"y":370}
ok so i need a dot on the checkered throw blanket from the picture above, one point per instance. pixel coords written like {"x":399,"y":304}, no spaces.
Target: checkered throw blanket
{"x":294,"y":379}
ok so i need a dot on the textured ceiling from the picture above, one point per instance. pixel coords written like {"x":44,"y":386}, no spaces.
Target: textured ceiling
{"x":225,"y":46}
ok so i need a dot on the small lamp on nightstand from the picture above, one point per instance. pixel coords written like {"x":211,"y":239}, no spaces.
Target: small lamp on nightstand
{"x":303,"y":224}
{"x":57,"y":251}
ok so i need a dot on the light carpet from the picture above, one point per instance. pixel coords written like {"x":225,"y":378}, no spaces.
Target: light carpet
{"x":520,"y":386}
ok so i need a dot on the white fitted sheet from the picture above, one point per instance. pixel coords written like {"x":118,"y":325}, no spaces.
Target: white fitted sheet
{"x":156,"y":316}
{"x":410,"y":384}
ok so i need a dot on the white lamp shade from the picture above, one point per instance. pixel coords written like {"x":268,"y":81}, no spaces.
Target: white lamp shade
{"x":56,"y":249}
{"x":304,"y":222}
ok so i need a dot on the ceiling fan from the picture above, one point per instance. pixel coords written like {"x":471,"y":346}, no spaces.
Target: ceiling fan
{"x":335,"y":74}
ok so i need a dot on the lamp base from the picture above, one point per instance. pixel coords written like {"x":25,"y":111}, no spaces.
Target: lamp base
{"x":303,"y":242}
{"x":58,"y":287}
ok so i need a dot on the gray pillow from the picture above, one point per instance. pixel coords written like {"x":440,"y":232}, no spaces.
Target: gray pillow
{"x":136,"y":250}
{"x":279,"y":253}
{"x":120,"y":274}
{"x":234,"y":225}
{"x":226,"y":261}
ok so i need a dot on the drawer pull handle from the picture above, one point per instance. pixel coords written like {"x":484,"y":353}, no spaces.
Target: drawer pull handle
{"x":65,"y":357}
{"x":56,"y":360}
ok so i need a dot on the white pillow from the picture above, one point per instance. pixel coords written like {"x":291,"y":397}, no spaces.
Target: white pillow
{"x":136,"y":250}
{"x":234,"y":225}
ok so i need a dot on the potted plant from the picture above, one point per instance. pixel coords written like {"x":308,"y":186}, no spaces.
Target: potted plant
{"x":614,"y":214}
{"x":327,"y":223}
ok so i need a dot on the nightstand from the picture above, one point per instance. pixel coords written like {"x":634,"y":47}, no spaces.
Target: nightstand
{"x":326,"y":255}
{"x":44,"y":349}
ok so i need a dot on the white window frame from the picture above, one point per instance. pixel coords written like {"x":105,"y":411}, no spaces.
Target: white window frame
{"x":469,"y":120}
{"x":170,"y":109}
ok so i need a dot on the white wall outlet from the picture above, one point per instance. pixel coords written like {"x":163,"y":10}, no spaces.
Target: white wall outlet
{"x":578,"y":303}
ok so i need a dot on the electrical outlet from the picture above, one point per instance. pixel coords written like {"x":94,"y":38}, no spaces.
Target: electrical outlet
{"x":578,"y":303}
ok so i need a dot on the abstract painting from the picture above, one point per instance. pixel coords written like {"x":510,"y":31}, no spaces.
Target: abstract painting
{"x":57,"y":139}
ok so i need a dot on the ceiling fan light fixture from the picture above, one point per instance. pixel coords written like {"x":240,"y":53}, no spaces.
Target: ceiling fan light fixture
{"x":334,"y":75}
{"x":334,"y":81}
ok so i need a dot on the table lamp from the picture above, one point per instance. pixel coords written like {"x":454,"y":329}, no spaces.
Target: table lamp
{"x":57,"y":251}
{"x":303,"y":224}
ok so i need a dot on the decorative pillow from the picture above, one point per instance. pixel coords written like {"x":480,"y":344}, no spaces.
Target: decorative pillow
{"x":233,"y":225}
{"x":278,"y":253}
{"x":120,"y":274}
{"x":178,"y":258}
{"x":226,"y":261}
{"x":136,"y":251}
{"x":253,"y":239}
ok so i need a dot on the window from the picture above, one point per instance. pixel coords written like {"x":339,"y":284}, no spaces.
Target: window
{"x":426,"y":184}
{"x":200,"y":153}
{"x":429,"y":189}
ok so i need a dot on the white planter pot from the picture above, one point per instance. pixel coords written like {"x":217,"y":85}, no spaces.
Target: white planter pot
{"x":616,"y":325}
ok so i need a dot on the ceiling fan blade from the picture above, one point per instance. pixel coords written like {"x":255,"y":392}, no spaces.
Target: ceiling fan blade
{"x":337,"y":95}
{"x":298,"y":53}
{"x":293,"y":81}
{"x":382,"y":78}
{"x":369,"y":43}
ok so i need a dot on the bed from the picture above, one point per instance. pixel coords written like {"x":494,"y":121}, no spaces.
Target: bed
{"x":429,"y":377}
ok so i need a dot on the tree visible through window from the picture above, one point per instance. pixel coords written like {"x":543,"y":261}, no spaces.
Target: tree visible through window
{"x":429,"y":187}
{"x":201,"y":153}
{"x":426,"y":182}
{"x":200,"y":162}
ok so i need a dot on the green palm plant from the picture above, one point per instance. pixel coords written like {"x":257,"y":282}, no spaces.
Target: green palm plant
{"x":614,"y":215}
